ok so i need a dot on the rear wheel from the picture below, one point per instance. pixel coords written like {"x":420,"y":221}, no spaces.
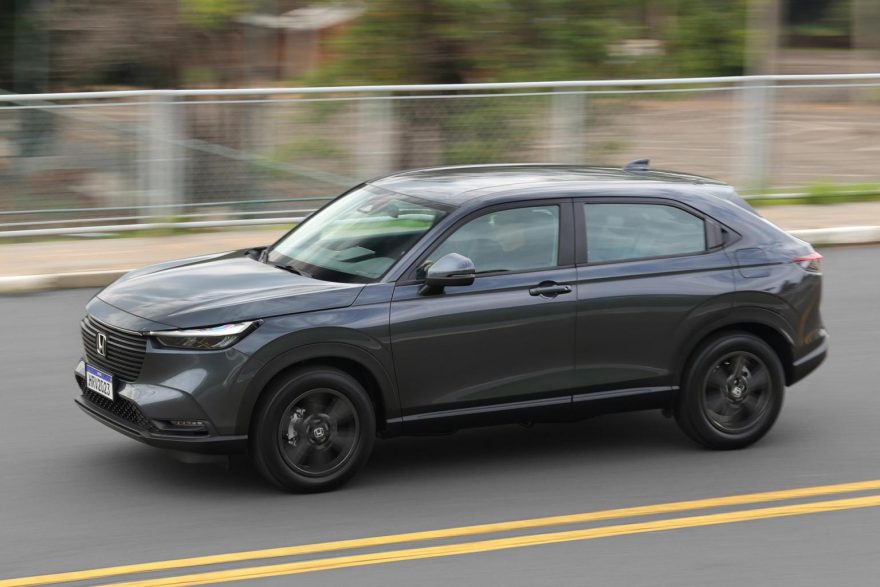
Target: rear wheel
{"x":732,"y":392}
{"x":313,"y":430}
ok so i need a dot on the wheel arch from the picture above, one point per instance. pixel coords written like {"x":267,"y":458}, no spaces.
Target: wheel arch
{"x":768,"y":326}
{"x":347,"y":358}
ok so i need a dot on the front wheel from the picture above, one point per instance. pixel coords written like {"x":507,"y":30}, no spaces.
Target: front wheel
{"x":732,"y":392}
{"x":313,"y":430}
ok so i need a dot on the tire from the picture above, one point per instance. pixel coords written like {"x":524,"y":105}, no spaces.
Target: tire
{"x":732,"y":392}
{"x":312,"y":430}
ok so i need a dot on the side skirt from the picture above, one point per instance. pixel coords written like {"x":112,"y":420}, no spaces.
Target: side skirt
{"x":565,"y":408}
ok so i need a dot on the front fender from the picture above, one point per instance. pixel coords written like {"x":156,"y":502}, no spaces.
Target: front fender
{"x":365,"y":343}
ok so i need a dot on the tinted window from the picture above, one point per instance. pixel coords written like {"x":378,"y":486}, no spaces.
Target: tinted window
{"x":635,"y":231}
{"x":518,"y":239}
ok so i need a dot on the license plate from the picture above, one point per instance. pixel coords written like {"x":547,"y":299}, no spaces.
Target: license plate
{"x":99,"y":382}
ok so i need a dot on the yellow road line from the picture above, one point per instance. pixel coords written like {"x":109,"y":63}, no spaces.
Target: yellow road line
{"x":663,"y":508}
{"x":503,"y":543}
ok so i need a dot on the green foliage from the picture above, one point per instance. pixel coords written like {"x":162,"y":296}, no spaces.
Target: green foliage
{"x":454,"y":41}
{"x":211,"y":14}
{"x":826,"y":193}
{"x":481,"y":132}
{"x":823,"y":193}
{"x":707,"y":37}
{"x":458,"y":41}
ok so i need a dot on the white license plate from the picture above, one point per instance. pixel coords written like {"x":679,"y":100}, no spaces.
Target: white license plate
{"x":99,"y":382}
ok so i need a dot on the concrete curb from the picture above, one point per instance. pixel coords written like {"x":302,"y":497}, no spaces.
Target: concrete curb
{"x":840,"y":235}
{"x":12,"y":284}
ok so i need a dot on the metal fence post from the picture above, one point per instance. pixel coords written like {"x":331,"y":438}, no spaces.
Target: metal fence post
{"x":757,"y":139}
{"x":375,"y":136}
{"x":568,"y":124}
{"x":161,"y":162}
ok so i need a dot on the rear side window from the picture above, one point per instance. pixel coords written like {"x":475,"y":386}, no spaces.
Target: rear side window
{"x":618,"y":232}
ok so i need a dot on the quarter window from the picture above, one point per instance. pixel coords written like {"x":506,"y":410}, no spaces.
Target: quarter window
{"x":617,"y":232}
{"x":518,"y":239}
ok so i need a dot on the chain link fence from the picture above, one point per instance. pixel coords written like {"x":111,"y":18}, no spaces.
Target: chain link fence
{"x":130,"y":160}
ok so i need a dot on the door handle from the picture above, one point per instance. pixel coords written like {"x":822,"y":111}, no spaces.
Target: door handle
{"x":550,"y":289}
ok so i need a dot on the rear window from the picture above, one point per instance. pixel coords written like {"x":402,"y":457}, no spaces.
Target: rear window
{"x":620,"y":232}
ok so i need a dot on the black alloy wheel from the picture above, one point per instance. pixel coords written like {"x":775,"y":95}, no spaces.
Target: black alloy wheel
{"x":318,"y":432}
{"x":312,"y":430}
{"x":737,"y":392}
{"x":732,"y":391}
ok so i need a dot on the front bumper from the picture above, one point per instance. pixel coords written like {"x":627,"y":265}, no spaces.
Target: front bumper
{"x":134,"y":412}
{"x":211,"y":444}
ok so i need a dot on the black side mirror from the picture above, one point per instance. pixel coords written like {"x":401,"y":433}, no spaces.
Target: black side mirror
{"x":452,"y":269}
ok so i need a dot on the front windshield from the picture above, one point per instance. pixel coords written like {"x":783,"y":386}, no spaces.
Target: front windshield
{"x":358,"y":237}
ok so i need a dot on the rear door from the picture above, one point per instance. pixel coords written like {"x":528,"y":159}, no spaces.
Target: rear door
{"x":650,"y":273}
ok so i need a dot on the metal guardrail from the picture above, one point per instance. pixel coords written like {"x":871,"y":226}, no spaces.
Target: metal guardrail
{"x":127,"y":160}
{"x":746,"y":79}
{"x":149,"y":226}
{"x":270,"y":220}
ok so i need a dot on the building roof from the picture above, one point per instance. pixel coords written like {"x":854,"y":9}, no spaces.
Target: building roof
{"x":308,"y":18}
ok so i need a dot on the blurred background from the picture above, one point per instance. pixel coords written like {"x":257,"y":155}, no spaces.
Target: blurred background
{"x":211,"y":124}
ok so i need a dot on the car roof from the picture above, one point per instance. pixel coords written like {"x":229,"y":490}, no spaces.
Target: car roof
{"x":460,"y":184}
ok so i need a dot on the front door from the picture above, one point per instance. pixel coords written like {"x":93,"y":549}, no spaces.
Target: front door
{"x":504,"y":346}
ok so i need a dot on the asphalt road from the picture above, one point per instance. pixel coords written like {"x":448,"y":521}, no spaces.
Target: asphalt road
{"x":75,"y":495}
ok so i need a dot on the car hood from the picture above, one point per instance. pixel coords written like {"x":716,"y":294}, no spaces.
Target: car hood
{"x":218,"y":289}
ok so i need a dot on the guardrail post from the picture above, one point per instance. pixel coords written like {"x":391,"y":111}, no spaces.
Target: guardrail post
{"x":161,"y":163}
{"x":757,"y":140}
{"x":568,"y":127}
{"x":375,"y":136}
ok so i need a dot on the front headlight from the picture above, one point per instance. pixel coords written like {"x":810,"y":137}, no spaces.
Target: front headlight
{"x":205,"y":339}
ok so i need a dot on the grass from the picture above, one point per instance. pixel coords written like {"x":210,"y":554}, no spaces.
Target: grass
{"x":823,"y":194}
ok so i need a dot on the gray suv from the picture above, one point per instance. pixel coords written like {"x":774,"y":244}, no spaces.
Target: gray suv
{"x":436,"y":299}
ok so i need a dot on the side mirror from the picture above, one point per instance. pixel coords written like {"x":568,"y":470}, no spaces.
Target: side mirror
{"x":451,"y":269}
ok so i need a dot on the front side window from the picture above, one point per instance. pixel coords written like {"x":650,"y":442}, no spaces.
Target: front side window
{"x":518,"y":239}
{"x":618,"y":232}
{"x":358,"y":237}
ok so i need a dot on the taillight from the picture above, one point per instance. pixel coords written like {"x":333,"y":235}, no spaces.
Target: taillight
{"x":811,"y":262}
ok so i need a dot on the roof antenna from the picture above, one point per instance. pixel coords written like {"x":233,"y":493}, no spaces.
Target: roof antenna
{"x":638,"y":166}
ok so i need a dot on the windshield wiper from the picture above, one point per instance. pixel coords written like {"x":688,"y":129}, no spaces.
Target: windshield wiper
{"x":292,"y":270}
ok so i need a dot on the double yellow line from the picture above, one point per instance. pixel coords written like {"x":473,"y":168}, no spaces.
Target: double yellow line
{"x":387,"y":556}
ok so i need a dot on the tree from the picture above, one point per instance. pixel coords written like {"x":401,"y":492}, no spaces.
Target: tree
{"x":454,"y":41}
{"x":706,"y":37}
{"x":153,"y":43}
{"x":7,"y":42}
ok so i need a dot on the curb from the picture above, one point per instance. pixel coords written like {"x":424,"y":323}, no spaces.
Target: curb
{"x":840,"y":235}
{"x":12,"y":284}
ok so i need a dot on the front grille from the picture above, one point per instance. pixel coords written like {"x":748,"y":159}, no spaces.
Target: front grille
{"x":124,"y":351}
{"x":121,"y":408}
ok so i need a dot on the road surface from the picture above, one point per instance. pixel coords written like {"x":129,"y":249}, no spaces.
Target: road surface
{"x":77,"y":496}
